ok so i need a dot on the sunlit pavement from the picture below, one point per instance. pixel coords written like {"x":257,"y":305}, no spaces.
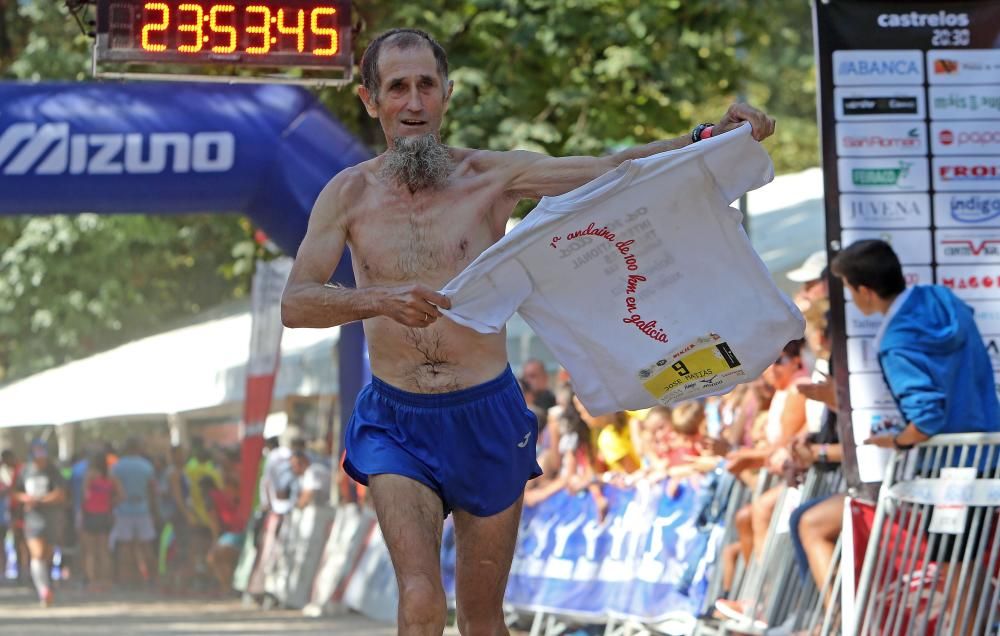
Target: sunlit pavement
{"x":121,"y":613}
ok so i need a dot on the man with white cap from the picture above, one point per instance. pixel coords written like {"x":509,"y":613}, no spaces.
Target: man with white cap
{"x":811,"y":275}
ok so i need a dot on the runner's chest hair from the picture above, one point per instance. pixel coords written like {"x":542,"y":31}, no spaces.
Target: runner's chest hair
{"x":413,"y":245}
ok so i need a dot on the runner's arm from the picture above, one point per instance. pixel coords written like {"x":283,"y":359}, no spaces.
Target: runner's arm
{"x":531,"y":175}
{"x":309,"y":300}
{"x":57,"y":496}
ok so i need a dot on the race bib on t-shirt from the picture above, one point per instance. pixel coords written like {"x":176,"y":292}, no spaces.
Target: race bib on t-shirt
{"x":697,"y":369}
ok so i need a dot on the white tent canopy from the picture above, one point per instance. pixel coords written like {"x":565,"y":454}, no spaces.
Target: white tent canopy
{"x":197,"y":367}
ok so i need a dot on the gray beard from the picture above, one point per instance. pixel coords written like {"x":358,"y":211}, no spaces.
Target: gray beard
{"x":419,"y":163}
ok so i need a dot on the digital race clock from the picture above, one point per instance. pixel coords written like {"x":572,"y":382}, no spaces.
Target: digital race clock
{"x":309,"y":34}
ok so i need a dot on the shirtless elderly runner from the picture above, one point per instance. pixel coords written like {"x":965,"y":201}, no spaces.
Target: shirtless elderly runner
{"x":443,"y":426}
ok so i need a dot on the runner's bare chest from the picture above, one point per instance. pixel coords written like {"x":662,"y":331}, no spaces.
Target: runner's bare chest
{"x":398,"y":237}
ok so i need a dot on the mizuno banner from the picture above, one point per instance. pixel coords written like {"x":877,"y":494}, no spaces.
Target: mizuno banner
{"x":260,"y":150}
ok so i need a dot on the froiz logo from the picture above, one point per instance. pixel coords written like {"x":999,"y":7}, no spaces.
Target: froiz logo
{"x":969,"y":173}
{"x":974,"y":208}
{"x":50,"y":149}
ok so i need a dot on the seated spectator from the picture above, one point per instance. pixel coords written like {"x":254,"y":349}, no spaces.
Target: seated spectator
{"x":657,"y":420}
{"x":580,"y":462}
{"x":613,"y":439}
{"x":535,"y":379}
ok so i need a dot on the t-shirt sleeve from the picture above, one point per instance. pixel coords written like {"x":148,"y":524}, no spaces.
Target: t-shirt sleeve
{"x":484,"y":298}
{"x":739,"y":167}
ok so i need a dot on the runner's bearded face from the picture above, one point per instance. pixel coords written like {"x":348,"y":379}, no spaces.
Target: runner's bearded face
{"x":413,"y":95}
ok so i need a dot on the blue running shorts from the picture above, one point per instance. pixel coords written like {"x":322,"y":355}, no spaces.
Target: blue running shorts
{"x":475,"y":447}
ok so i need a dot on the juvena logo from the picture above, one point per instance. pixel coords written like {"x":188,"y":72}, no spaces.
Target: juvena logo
{"x":883,"y":209}
{"x":872,"y":177}
{"x":880,"y":106}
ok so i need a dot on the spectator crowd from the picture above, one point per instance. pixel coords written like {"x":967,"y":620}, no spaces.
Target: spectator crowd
{"x":117,"y":516}
{"x":121,"y":516}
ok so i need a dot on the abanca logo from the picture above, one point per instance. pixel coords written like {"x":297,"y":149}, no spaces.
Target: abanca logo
{"x":879,"y":68}
{"x":50,"y":150}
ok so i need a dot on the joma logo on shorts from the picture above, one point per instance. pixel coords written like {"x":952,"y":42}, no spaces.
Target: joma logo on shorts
{"x":50,"y":149}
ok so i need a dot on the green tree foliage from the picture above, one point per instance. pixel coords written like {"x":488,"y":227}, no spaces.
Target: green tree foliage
{"x":556,"y":76}
{"x":583,"y":76}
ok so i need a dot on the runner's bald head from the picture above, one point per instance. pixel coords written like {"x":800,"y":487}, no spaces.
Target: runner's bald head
{"x":402,"y":39}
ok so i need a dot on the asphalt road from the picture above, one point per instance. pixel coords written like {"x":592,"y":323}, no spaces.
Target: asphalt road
{"x":148,"y":614}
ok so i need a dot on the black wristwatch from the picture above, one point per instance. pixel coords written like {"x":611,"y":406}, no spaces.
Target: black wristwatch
{"x":698,"y":130}
{"x":901,"y":447}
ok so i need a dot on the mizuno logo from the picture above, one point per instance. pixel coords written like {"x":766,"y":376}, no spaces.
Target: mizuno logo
{"x":50,"y":149}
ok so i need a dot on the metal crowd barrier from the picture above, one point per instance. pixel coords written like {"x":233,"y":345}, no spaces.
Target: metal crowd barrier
{"x":772,"y":587}
{"x":933,"y":560}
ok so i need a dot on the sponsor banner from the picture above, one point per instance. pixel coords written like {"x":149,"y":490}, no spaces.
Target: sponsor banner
{"x":876,"y":421}
{"x":649,"y":560}
{"x":918,"y":275}
{"x":885,"y":174}
{"x":869,"y":390}
{"x":967,"y":246}
{"x":966,"y":137}
{"x":992,"y":343}
{"x":912,"y":246}
{"x":955,"y":66}
{"x":885,"y":211}
{"x":966,"y":173}
{"x":881,"y":139}
{"x":964,"y":102}
{"x":967,"y":209}
{"x":859,"y":324}
{"x":971,"y":282}
{"x":987,"y":315}
{"x":862,"y":356}
{"x":877,"y":67}
{"x":880,"y":104}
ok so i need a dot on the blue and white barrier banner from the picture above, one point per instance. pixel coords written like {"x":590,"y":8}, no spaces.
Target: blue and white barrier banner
{"x":647,"y":561}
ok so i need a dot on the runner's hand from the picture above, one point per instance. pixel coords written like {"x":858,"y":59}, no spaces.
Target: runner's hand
{"x":762,"y":125}
{"x":414,"y":305}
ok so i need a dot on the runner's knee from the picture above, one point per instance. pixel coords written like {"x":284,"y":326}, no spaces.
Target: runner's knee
{"x":485,"y":624}
{"x":421,"y":601}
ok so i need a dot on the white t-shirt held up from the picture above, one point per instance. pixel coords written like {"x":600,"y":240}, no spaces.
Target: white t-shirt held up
{"x":642,"y":282}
